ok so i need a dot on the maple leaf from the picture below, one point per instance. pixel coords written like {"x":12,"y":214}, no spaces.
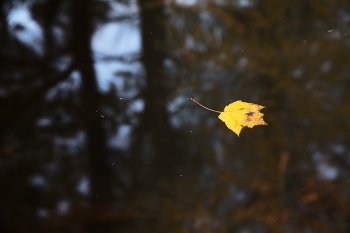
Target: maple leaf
{"x":239,"y":114}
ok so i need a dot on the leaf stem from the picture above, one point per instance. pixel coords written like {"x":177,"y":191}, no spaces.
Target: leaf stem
{"x":204,"y":106}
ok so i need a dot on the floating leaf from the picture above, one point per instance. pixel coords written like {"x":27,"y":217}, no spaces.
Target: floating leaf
{"x":239,"y":114}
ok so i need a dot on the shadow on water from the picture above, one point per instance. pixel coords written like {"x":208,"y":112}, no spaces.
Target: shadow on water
{"x":98,"y":133}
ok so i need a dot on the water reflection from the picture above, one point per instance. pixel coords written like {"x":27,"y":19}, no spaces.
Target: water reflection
{"x":117,"y":49}
{"x":23,"y":27}
{"x":127,"y":151}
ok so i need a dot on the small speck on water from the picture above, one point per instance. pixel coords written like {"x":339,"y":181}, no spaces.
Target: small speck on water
{"x":348,"y":180}
{"x":330,"y":30}
{"x":180,"y":175}
{"x":102,"y":116}
{"x":120,"y":98}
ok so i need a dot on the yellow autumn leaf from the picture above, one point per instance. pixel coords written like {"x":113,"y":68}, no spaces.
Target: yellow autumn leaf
{"x":240,"y":114}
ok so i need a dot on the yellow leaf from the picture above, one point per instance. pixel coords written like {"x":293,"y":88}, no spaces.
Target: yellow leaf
{"x":240,"y":114}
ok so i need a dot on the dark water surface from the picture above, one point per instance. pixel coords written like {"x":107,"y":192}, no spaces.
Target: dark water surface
{"x":98,"y":133}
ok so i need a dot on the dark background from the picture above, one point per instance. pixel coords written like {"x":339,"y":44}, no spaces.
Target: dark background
{"x":98,"y":133}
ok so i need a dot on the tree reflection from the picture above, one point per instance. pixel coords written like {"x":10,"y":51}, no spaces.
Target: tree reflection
{"x":98,"y":133}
